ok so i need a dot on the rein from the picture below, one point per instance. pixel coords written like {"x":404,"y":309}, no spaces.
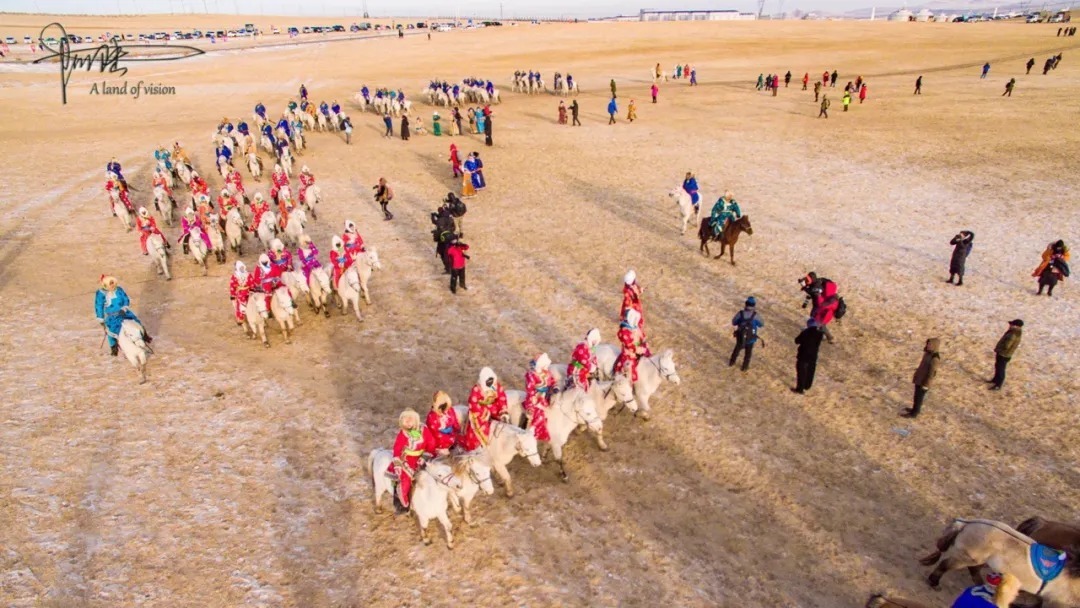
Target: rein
{"x":663,"y":374}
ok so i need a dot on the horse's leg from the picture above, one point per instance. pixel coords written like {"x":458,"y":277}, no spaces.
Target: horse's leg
{"x":733,"y":254}
{"x":377,"y":499}
{"x":465,"y":511}
{"x":946,"y":565}
{"x":557,"y":451}
{"x":723,"y":246}
{"x":423,"y":521}
{"x":976,"y":574}
{"x":445,"y":521}
{"x":504,"y":475}
{"x":600,"y":441}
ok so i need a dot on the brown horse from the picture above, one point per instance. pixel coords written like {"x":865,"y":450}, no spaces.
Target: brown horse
{"x":727,"y":238}
{"x":880,"y":601}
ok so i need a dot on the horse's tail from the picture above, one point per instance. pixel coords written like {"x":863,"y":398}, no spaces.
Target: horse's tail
{"x":1031,"y":525}
{"x":948,"y":537}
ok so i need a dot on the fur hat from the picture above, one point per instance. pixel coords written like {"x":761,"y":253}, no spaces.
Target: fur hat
{"x":630,"y":278}
{"x":440,"y":398}
{"x":542,"y":362}
{"x":633,"y":317}
{"x":277,"y":245}
{"x":593,"y":337}
{"x":486,"y":374}
{"x":143,"y":212}
{"x":189,"y":211}
{"x":1016,"y":323}
{"x":305,"y":239}
{"x":224,"y":192}
{"x":108,"y":282}
{"x":350,"y":226}
{"x":305,"y":169}
{"x":336,"y":242}
{"x":406,"y":416}
{"x":264,"y":260}
{"x":258,"y":196}
{"x":240,"y":269}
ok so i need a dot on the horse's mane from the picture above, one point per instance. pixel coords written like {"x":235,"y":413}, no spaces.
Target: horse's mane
{"x":460,"y":465}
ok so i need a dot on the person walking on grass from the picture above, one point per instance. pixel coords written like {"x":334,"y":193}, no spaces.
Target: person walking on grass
{"x":824,"y":106}
{"x":862,"y":93}
{"x":846,"y":100}
{"x":574,"y":114}
{"x":805,"y":80}
{"x":612,"y":110}
{"x":961,"y":250}
{"x":1030,"y":64}
{"x":1004,"y":351}
{"x":746,"y":323}
{"x":631,"y":111}
{"x":985,"y":70}
{"x":924,"y":376}
{"x":809,"y":343}
{"x":613,"y":88}
{"x":817,"y":92}
{"x":835,"y":75}
{"x":383,"y":195}
{"x":389,"y":122}
{"x":787,"y":79}
{"x":456,"y":253}
{"x":1009,"y":87}
{"x":918,"y":86}
{"x":655,"y":90}
{"x":405,"y":127}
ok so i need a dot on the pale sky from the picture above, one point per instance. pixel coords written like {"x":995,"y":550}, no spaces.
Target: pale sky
{"x":380,"y":8}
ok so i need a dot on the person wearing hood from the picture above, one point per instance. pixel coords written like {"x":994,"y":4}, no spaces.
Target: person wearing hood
{"x":241,"y":283}
{"x":924,"y":376}
{"x":443,"y":423}
{"x":632,"y":340}
{"x":746,"y":324}
{"x":267,"y":278}
{"x":112,"y":307}
{"x":582,"y":366}
{"x":809,"y":343}
{"x":961,"y":250}
{"x":443,"y":231}
{"x":540,"y":388}
{"x":413,"y":445}
{"x":1004,"y":351}
{"x":487,"y":403}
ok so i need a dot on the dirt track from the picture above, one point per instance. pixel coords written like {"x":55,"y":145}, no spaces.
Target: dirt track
{"x":235,"y":477}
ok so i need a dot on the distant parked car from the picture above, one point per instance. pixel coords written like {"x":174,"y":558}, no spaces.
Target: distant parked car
{"x":306,"y":30}
{"x":129,"y":37}
{"x":293,"y":31}
{"x":9,"y":40}
{"x":275,"y":29}
{"x":339,"y":28}
{"x":27,"y":40}
{"x":354,"y":28}
{"x":365,"y":27}
{"x":421,"y":25}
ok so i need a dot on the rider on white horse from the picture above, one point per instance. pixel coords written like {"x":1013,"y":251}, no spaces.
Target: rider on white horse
{"x":413,"y":446}
{"x":582,"y":367}
{"x":306,"y":180}
{"x":354,"y":243}
{"x":267,"y":278}
{"x":280,"y":257}
{"x":241,"y":283}
{"x":308,"y":254}
{"x":111,"y":304}
{"x":147,"y":225}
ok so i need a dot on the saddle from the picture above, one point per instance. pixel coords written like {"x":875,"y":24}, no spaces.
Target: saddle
{"x":1047,"y":563}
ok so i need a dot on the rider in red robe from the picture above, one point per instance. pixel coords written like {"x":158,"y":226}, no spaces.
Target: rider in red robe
{"x":280,"y":257}
{"x":279,"y":179}
{"x":354,"y":243}
{"x":161,"y":182}
{"x":147,"y":225}
{"x":443,"y":423}
{"x":340,"y":260}
{"x":267,"y":278}
{"x":487,"y":402}
{"x":199,"y":186}
{"x":258,"y":208}
{"x":582,"y":365}
{"x":631,"y":297}
{"x":412,"y":443}
{"x":237,"y":181}
{"x":539,"y":389}
{"x":240,"y":285}
{"x":306,"y":180}
{"x":633,"y":346}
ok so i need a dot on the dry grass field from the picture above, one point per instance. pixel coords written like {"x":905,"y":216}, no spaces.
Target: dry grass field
{"x":235,"y":476}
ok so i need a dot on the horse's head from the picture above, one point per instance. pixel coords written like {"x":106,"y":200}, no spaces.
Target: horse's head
{"x":667,"y":367}
{"x":525,"y":446}
{"x":301,"y":284}
{"x":744,"y":224}
{"x":444,"y":474}
{"x":480,"y":473}
{"x":623,"y":390}
{"x":284,"y":299}
{"x":233,"y":217}
{"x":373,"y":259}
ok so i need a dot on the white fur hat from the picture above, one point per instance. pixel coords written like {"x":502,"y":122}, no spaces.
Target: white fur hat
{"x":633,"y":317}
{"x":593,"y":337}
{"x":189,"y":211}
{"x":241,"y":269}
{"x":224,"y":192}
{"x":277,"y":245}
{"x":258,"y":196}
{"x":630,"y":277}
{"x":305,"y":169}
{"x":143,"y":212}
{"x":336,"y":242}
{"x":264,"y":260}
{"x":349,"y":225}
{"x":277,"y":168}
{"x":542,"y":362}
{"x":486,"y":374}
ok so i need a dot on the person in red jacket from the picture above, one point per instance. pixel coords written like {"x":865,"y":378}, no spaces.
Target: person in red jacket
{"x":805,"y":80}
{"x":582,"y":366}
{"x":633,"y":346}
{"x":147,"y":225}
{"x":241,"y":283}
{"x":413,"y":445}
{"x":823,"y":293}
{"x":825,"y":79}
{"x":354,"y":243}
{"x":487,"y":402}
{"x":539,"y":390}
{"x":258,"y":208}
{"x":443,"y":423}
{"x":632,"y":301}
{"x":340,"y":260}
{"x":267,"y":278}
{"x":456,"y":253}
{"x":862,"y":93}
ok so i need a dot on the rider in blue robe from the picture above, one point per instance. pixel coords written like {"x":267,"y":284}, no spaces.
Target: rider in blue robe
{"x":111,"y":304}
{"x":260,"y":109}
{"x":283,"y":124}
{"x":224,"y":151}
{"x":478,"y":180}
{"x":490,"y":88}
{"x":365,"y":92}
{"x":163,"y":154}
{"x":325,"y":109}
{"x":303,"y":92}
{"x":242,"y":128}
{"x":336,"y":108}
{"x":690,"y":186}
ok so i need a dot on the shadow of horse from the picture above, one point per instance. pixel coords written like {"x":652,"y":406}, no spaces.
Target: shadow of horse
{"x":727,"y":238}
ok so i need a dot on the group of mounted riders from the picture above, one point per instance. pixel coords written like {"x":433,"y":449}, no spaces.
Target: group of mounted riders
{"x":725,"y":210}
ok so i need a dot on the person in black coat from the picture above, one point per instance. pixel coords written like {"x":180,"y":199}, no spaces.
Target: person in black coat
{"x":404,"y":127}
{"x":809,"y":342}
{"x":487,"y":130}
{"x":443,"y":232}
{"x":961,"y":249}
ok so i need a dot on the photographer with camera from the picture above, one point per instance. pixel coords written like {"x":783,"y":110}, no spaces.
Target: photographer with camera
{"x":383,"y":195}
{"x":443,"y":232}
{"x":827,"y":305}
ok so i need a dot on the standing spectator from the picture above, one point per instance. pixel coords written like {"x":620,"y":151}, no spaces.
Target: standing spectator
{"x":487,"y":128}
{"x":693,"y":77}
{"x":961,"y":250}
{"x":457,"y":122}
{"x":862,"y":93}
{"x":918,"y":86}
{"x":823,"y":294}
{"x":809,"y":341}
{"x":824,"y":107}
{"x":1004,"y":351}
{"x":760,"y":81}
{"x":746,"y":324}
{"x":457,"y":255}
{"x":389,"y":122}
{"x":787,"y":79}
{"x":405,"y":127}
{"x":817,"y":91}
{"x":846,"y":100}
{"x":383,"y":195}
{"x":1059,"y":32}
{"x":562,"y":112}
{"x":805,"y":80}
{"x":655,"y":91}
{"x":574,"y":114}
{"x":1009,"y":87}
{"x":775,"y":84}
{"x":457,"y":211}
{"x":346,"y":125}
{"x":455,"y":161}
{"x":631,"y":111}
{"x":924,"y":376}
{"x":835,"y":75}
{"x":436,"y":127}
{"x":443,"y":231}
{"x":613,"y":88}
{"x":1030,"y":64}
{"x":612,"y":108}
{"x":985,"y":70}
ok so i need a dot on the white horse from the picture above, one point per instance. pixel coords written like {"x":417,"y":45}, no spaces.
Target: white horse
{"x":264,"y":143}
{"x":294,"y":229}
{"x":223,"y":167}
{"x":322,"y":124}
{"x":267,"y":229}
{"x":197,"y":248}
{"x":432,"y":488}
{"x":652,"y":371}
{"x":169,"y":181}
{"x":349,"y":291}
{"x":568,"y":410}
{"x":134,"y":348}
{"x":234,"y":231}
{"x":159,"y":257}
{"x":308,"y":120}
{"x":126,"y":217}
{"x":506,"y":442}
{"x":294,"y":280}
{"x":217,"y":240}
{"x":284,"y":311}
{"x":184,"y":173}
{"x":298,"y":140}
{"x":256,"y":316}
{"x":319,"y":290}
{"x":605,"y":395}
{"x":164,"y":204}
{"x":686,"y":207}
{"x":286,"y":162}
{"x":255,"y":165}
{"x":367,"y":262}
{"x":477,"y":477}
{"x":312,"y":196}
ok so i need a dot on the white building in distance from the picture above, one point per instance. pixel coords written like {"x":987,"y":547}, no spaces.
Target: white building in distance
{"x":695,"y":15}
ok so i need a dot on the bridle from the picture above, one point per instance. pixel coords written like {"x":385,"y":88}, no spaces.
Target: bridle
{"x":520,"y":449}
{"x":578,"y":416}
{"x":663,"y":374}
{"x":619,"y":402}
